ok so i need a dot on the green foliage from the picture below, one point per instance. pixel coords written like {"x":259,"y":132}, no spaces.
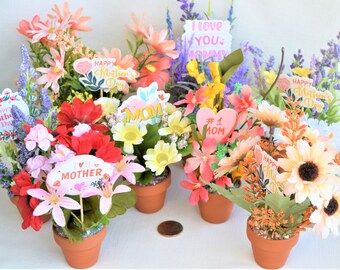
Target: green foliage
{"x":230,"y":64}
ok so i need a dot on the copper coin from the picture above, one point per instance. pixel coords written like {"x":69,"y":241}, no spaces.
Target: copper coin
{"x":170,"y":228}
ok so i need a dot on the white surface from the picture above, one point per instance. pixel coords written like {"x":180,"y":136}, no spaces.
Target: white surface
{"x":268,"y":24}
{"x":132,"y":240}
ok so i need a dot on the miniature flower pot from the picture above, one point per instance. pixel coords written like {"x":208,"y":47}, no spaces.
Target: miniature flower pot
{"x":150,"y":199}
{"x":15,"y":201}
{"x":269,"y":253}
{"x":217,"y":209}
{"x":83,"y":254}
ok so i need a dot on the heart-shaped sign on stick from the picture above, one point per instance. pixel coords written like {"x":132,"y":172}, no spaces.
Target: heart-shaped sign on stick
{"x":219,"y":126}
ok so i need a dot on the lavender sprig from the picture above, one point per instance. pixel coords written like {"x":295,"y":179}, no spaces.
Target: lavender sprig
{"x":187,"y":10}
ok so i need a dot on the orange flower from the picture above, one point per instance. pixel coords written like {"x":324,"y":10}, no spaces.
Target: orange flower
{"x":123,"y":63}
{"x":154,"y":70}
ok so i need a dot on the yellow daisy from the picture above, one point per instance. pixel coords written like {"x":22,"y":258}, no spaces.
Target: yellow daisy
{"x":270,"y":76}
{"x":109,"y":105}
{"x":269,"y":115}
{"x":307,"y":172}
{"x":176,"y":125}
{"x":130,"y":134}
{"x":161,"y":156}
{"x":303,"y":72}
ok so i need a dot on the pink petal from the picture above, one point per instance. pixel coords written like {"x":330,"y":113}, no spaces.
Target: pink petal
{"x":246,"y":92}
{"x":191,"y":164}
{"x":235,"y":100}
{"x":38,"y":193}
{"x":44,"y":144}
{"x":204,"y":194}
{"x":69,"y":203}
{"x":194,"y":197}
{"x":121,"y":189}
{"x":209,"y":146}
{"x":105,"y":204}
{"x":30,"y":145}
{"x":42,"y":208}
{"x":186,"y":185}
{"x":89,"y":192}
{"x":58,"y":216}
{"x":206,"y":172}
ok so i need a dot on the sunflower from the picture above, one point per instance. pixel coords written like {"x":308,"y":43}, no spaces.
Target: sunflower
{"x":269,"y":115}
{"x":307,"y":169}
{"x":327,"y":217}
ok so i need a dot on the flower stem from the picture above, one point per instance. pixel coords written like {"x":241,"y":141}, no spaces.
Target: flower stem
{"x":278,"y":74}
{"x":82,"y":214}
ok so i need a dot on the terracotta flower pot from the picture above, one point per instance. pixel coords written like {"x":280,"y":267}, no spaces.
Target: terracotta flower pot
{"x":268,"y":253}
{"x":84,"y":254}
{"x":150,"y":199}
{"x":15,"y":200}
{"x":217,"y":209}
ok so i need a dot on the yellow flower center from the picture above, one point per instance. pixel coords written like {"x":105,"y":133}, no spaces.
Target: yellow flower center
{"x":106,"y":193}
{"x":194,"y":100}
{"x":51,"y":30}
{"x":161,"y":157}
{"x":150,"y":68}
{"x":120,"y":166}
{"x":56,"y":69}
{"x":54,"y":199}
{"x":130,"y":136}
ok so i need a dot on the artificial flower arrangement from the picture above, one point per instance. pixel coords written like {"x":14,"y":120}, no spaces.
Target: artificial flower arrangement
{"x":65,"y":64}
{"x":215,"y":115}
{"x":289,"y":185}
{"x":81,"y":196}
{"x":149,"y":127}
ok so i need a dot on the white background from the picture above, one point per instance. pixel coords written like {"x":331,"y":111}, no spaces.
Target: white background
{"x":268,"y":24}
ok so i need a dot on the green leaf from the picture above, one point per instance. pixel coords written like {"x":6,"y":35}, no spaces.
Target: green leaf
{"x":186,"y":151}
{"x":121,"y":202}
{"x":230,"y":64}
{"x":146,"y":177}
{"x":279,"y":202}
{"x":150,"y":138}
{"x":130,"y":45}
{"x":236,"y":195}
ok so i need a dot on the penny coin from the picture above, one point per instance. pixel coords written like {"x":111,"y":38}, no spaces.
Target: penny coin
{"x":170,"y":228}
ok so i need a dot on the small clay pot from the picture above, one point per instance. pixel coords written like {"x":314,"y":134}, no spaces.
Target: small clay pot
{"x":269,"y":253}
{"x":217,"y":209}
{"x":84,"y":254}
{"x":150,"y":199}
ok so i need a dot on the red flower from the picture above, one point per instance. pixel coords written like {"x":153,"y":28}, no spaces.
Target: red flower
{"x":63,"y":135}
{"x":97,"y":144}
{"x":27,"y":205}
{"x":78,"y":112}
{"x":23,"y":183}
{"x":197,"y":187}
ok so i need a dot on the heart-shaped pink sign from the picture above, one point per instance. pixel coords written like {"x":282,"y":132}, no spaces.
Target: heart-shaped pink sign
{"x":219,"y":126}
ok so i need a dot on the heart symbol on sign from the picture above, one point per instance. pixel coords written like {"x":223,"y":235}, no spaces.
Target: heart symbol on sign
{"x":219,"y":126}
{"x":56,"y":183}
{"x":81,"y":164}
{"x":96,"y":165}
{"x":79,"y":186}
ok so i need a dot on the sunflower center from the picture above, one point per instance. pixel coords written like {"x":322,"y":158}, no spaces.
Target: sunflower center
{"x":332,"y":207}
{"x":161,"y":157}
{"x":308,"y":171}
{"x":130,"y":136}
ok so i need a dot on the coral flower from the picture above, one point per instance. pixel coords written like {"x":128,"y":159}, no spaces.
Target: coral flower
{"x":307,"y":172}
{"x":71,"y":115}
{"x":192,"y":100}
{"x":55,"y":72}
{"x":53,"y":200}
{"x":197,"y":187}
{"x":130,"y":134}
{"x":25,"y":27}
{"x":202,"y":158}
{"x":177,"y":125}
{"x":75,"y":21}
{"x":126,"y":168}
{"x":327,"y":218}
{"x":123,"y":63}
{"x":105,"y":191}
{"x":243,"y":134}
{"x":230,"y":163}
{"x":154,"y":70}
{"x":161,"y":156}
{"x":158,"y":41}
{"x":269,"y":115}
{"x":241,"y":105}
{"x":139,"y":25}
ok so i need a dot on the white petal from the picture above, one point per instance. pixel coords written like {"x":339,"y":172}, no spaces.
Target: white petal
{"x":58,"y":216}
{"x":42,"y":208}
